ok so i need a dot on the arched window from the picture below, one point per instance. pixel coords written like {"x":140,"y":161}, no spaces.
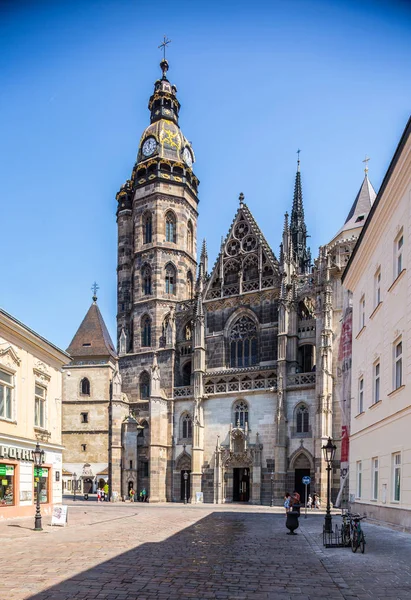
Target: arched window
{"x":170,"y":280}
{"x":240,"y":414}
{"x":243,"y":343}
{"x":250,"y":268}
{"x":231,"y":270}
{"x":146,"y":331}
{"x":143,"y":433}
{"x":303,"y":419}
{"x":190,"y":286}
{"x":187,"y":427}
{"x":85,"y":387}
{"x":187,"y":373}
{"x":144,"y":385}
{"x":147,"y":228}
{"x":190,"y":237}
{"x":306,"y":358}
{"x":170,"y":227}
{"x":146,"y":275}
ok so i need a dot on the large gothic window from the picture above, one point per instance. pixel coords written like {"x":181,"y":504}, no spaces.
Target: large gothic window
{"x":190,"y":237}
{"x":144,"y":385}
{"x":187,"y":373}
{"x":170,"y":280}
{"x":306,"y":358}
{"x":243,"y":343}
{"x":240,"y":414}
{"x":186,"y":427}
{"x":170,"y":227}
{"x":146,"y":331}
{"x":231,"y":270}
{"x":250,"y":268}
{"x":148,"y":228}
{"x":146,"y":274}
{"x":303,"y":419}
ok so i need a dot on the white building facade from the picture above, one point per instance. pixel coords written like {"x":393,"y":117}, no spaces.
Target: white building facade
{"x":378,"y":275}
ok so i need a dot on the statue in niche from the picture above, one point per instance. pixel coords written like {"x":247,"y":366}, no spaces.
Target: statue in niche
{"x":155,"y":376}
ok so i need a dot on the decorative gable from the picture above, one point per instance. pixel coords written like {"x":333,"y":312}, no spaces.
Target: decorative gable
{"x":9,"y":357}
{"x":246,"y":262}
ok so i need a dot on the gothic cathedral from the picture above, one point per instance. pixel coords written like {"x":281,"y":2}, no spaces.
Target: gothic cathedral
{"x":229,"y":374}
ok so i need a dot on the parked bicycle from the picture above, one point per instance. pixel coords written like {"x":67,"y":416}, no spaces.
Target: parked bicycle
{"x":345,"y":531}
{"x":357,"y":534}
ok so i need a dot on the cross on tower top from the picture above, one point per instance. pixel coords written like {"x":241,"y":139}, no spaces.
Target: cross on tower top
{"x":366,"y":159}
{"x":298,"y":159}
{"x":164,"y":45}
{"x":94,"y":289}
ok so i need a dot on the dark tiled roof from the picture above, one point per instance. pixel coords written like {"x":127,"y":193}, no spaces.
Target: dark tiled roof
{"x":363,"y":202}
{"x":92,"y":337}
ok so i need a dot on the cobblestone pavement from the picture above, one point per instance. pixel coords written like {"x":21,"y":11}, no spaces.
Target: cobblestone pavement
{"x":145,"y":552}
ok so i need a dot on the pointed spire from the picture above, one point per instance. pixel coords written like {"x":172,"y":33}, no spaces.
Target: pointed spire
{"x":241,"y":199}
{"x":92,"y":337}
{"x":298,"y":228}
{"x":204,"y":257}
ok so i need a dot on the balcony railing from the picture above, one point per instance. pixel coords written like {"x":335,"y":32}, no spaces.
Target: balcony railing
{"x":301,"y":379}
{"x":185,"y":391}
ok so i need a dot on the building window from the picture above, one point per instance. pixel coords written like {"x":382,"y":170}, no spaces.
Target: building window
{"x":85,"y":387}
{"x":376,"y":382}
{"x":186,"y":372}
{"x":243,"y":343}
{"x":83,"y":447}
{"x":170,"y":280}
{"x":7,"y":485}
{"x":84,"y":417}
{"x":377,"y":288}
{"x":375,"y":471}
{"x":306,"y":358}
{"x":396,"y":461}
{"x":147,"y":228}
{"x":144,"y":385}
{"x":240,"y":414}
{"x":398,"y":251}
{"x":362,"y":312}
{"x":303,"y":419}
{"x":6,"y":394}
{"x":146,"y":275}
{"x":187,"y":427}
{"x":398,"y":364}
{"x":359,"y":479}
{"x":145,"y":469}
{"x":40,"y":406}
{"x":146,"y":331}
{"x":190,"y":286}
{"x":170,"y":227}
{"x":41,"y":475}
{"x":361,"y":395}
{"x":190,"y":237}
{"x":131,"y":464}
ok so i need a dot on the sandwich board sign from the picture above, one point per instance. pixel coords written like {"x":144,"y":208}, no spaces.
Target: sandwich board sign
{"x":60,"y":515}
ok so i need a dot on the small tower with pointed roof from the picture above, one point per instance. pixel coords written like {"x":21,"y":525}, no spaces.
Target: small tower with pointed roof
{"x":93,"y":406}
{"x":298,"y":228}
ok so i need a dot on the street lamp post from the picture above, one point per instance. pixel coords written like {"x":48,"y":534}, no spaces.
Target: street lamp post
{"x":38,"y":461}
{"x":185,"y":486}
{"x":75,"y":484}
{"x":329,"y":453}
{"x":272,"y":489}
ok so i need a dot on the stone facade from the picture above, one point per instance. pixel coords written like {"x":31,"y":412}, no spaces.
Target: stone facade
{"x":232,"y":378}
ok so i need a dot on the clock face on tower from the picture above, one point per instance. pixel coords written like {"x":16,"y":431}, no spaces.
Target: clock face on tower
{"x":188,"y":159}
{"x":149,"y":146}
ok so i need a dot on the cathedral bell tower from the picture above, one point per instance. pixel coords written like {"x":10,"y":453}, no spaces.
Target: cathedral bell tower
{"x":157,"y":231}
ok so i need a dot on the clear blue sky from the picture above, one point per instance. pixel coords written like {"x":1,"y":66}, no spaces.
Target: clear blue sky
{"x":256,"y":80}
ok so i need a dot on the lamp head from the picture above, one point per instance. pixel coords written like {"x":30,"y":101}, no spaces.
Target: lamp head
{"x":329,"y":451}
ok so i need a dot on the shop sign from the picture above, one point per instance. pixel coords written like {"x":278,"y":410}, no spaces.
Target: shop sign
{"x":6,"y":470}
{"x":41,"y":472}
{"x":60,"y":516}
{"x":15,"y":453}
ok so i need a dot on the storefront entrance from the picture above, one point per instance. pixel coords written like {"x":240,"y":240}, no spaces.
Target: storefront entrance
{"x":241,"y":485}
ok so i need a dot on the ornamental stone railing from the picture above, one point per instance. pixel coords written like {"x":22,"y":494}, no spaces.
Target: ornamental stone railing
{"x":184,"y":391}
{"x":301,"y":379}
{"x":306,"y":328}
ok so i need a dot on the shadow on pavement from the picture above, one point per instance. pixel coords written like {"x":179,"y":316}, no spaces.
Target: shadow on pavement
{"x":223,"y":555}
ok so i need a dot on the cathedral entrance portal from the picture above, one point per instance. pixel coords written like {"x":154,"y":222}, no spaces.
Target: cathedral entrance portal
{"x":241,"y":485}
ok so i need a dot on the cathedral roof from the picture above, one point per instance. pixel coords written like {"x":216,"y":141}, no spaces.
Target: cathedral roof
{"x":92,"y":337}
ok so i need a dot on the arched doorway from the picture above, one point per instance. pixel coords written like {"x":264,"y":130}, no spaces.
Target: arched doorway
{"x":302,"y":468}
{"x":241,"y":484}
{"x":183,"y":465}
{"x":88,"y":486}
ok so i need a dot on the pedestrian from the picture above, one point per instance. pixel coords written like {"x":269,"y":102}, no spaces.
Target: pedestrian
{"x":106,"y":492}
{"x":309,"y":501}
{"x":296,"y":497}
{"x":131,"y":494}
{"x":287,"y":502}
{"x":99,"y":495}
{"x":144,"y":494}
{"x":103,"y":495}
{"x":140,"y":496}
